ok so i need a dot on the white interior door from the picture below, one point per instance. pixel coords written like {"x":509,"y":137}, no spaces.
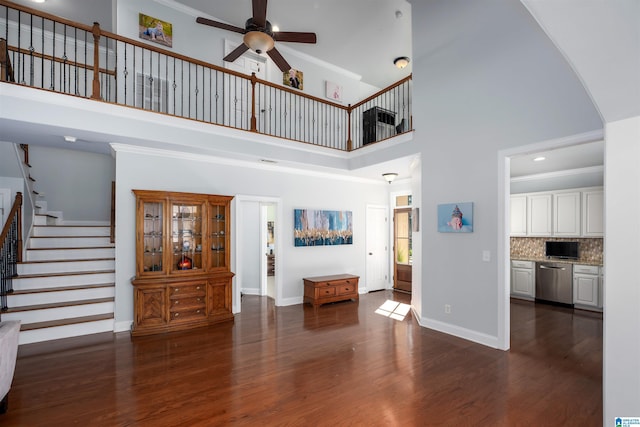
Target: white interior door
{"x":5,"y":205}
{"x":377,"y":244}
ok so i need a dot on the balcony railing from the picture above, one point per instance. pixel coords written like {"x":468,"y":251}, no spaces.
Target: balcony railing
{"x":51,"y":53}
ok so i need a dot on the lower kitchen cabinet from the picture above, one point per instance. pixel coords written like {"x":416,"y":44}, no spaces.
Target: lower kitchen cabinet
{"x":586,"y":286}
{"x":523,"y":279}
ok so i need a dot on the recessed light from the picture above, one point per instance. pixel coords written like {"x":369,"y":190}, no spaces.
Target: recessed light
{"x":539,"y":159}
{"x":275,"y":28}
{"x":38,"y":1}
{"x":70,"y":138}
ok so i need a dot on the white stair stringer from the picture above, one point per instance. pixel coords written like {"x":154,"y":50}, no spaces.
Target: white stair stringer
{"x":65,"y":286}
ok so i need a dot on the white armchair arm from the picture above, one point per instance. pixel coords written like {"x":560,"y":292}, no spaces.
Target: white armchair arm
{"x":9,"y":331}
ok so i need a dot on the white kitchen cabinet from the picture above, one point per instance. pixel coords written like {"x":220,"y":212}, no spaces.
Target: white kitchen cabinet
{"x":586,"y":286}
{"x":593,"y":213}
{"x":566,"y":214}
{"x":523,"y":279}
{"x":539,"y":215}
{"x":518,"y":208}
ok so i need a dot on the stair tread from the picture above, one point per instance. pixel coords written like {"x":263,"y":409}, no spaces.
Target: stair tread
{"x":64,"y":322}
{"x":68,"y":237}
{"x":60,"y":289}
{"x":58,"y":305}
{"x":66,"y":273}
{"x":71,"y":225}
{"x":66,"y":260}
{"x":76,"y":247}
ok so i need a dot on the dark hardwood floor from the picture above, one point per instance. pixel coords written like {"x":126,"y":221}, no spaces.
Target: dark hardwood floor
{"x":338,"y":365}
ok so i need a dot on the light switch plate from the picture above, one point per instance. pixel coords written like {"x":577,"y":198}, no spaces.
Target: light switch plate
{"x":486,"y":256}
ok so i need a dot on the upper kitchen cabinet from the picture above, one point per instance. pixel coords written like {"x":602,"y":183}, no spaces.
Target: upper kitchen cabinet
{"x":539,"y":215}
{"x":593,"y":213}
{"x":518,"y":215}
{"x":566,"y":214}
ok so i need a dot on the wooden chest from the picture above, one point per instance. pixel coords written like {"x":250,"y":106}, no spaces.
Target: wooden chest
{"x":324,"y":289}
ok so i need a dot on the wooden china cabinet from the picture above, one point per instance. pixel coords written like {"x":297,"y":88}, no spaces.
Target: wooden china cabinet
{"x":183,"y":277}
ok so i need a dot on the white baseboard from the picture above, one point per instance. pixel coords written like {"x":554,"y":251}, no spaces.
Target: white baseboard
{"x":457,"y":331}
{"x":250,"y":291}
{"x":290,"y":301}
{"x":86,"y":223}
{"x":123,"y":326}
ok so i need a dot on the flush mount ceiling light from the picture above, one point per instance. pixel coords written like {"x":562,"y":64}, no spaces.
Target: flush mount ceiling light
{"x":70,"y":138}
{"x":390,"y":176}
{"x":539,"y":159}
{"x":38,"y":1}
{"x":401,"y":62}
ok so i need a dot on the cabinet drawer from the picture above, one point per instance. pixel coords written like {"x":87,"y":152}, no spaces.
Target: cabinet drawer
{"x":586,"y":269}
{"x":522,"y":264}
{"x":181,"y":304}
{"x":187,"y":291}
{"x":345,"y":289}
{"x":192,"y":314}
{"x":325,"y":291}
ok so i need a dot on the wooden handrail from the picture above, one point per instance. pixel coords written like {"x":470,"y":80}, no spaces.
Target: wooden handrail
{"x":16,"y":209}
{"x":58,"y":60}
{"x":382,"y":91}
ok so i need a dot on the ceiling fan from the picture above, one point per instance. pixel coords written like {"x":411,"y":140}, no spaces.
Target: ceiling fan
{"x":260,"y":37}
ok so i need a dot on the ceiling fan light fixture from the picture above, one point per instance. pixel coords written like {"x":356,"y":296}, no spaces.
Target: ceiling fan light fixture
{"x":258,"y":41}
{"x":389,"y":176}
{"x":401,"y":62}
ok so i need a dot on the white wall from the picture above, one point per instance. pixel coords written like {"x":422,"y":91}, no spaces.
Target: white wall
{"x":78,"y":183}
{"x":193,"y":173}
{"x":621,"y":354}
{"x":495,"y":83}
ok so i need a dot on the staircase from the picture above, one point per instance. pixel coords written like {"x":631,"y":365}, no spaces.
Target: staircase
{"x":66,"y":285}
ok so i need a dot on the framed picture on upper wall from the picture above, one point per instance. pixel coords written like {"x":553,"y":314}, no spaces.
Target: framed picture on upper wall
{"x":293,"y":78}
{"x":455,"y":217}
{"x":155,"y":30}
{"x":333,"y":91}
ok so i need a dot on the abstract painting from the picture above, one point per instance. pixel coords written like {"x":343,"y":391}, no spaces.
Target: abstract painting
{"x":321,"y":228}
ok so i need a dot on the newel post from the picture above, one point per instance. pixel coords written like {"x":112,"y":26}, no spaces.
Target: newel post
{"x":349,"y":142}
{"x":254,"y":124}
{"x":96,"y":61}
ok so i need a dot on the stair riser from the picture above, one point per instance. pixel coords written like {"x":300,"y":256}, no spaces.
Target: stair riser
{"x":66,"y":331}
{"x":30,"y":283}
{"x":68,"y":242}
{"x":49,"y":314}
{"x":69,"y":254}
{"x":44,"y":220}
{"x":61,"y":267}
{"x":22,"y":300}
{"x":41,"y":231}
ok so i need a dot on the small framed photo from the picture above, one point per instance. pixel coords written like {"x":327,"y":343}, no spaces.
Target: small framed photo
{"x":333,"y":91}
{"x":455,"y":217}
{"x":293,"y":78}
{"x":155,"y":30}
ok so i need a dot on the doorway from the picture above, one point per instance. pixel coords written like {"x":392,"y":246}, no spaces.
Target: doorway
{"x":267,"y":239}
{"x":249,"y":258}
{"x":403,"y":254}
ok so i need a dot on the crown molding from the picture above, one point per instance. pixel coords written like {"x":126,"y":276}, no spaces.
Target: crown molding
{"x":559,"y":174}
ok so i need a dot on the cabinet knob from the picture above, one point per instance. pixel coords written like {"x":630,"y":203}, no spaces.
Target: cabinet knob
{"x":177,"y":302}
{"x":198,"y":287}
{"x":176,"y":315}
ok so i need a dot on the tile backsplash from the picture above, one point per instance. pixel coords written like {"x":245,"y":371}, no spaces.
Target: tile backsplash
{"x":589,"y":250}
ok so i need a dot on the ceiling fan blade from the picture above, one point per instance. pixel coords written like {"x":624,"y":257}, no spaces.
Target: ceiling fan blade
{"x":279,"y":60}
{"x":260,"y":12}
{"x":287,"y":36}
{"x":205,"y":21}
{"x":235,"y":53}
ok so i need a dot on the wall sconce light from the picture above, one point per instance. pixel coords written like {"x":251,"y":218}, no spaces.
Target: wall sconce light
{"x":401,"y":62}
{"x":390,"y":176}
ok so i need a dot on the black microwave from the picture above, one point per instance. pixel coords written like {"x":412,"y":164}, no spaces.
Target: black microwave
{"x":567,"y":250}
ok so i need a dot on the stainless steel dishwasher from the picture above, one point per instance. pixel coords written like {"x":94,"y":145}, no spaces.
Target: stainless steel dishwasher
{"x":554,"y":282}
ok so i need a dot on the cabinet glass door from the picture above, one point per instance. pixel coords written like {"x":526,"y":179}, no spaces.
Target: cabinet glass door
{"x":186,"y":237}
{"x":152,"y":236}
{"x":217,"y":238}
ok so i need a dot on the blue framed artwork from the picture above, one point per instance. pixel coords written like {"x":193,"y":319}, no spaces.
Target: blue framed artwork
{"x":455,"y":217}
{"x":322,"y":228}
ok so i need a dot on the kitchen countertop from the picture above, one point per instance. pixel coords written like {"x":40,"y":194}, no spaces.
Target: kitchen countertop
{"x":567,"y":261}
